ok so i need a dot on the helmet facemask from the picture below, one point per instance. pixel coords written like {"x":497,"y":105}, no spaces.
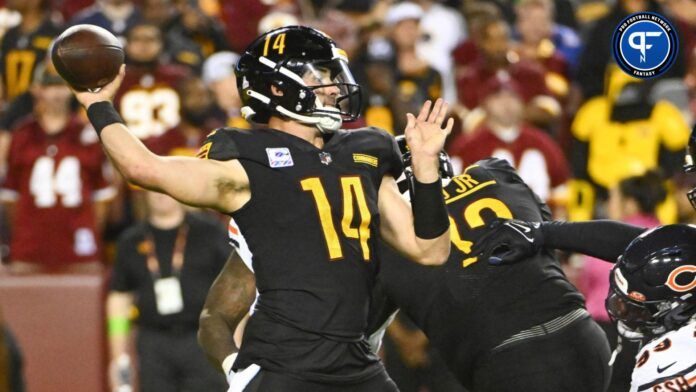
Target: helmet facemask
{"x":320,"y":93}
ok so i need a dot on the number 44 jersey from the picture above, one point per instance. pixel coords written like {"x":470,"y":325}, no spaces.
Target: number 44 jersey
{"x":311,"y":227}
{"x":54,"y":181}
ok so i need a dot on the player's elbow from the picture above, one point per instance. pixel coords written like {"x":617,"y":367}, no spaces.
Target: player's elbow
{"x":436,"y":256}
{"x":142,"y":173}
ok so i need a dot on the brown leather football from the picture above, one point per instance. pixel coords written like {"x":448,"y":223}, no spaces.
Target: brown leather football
{"x":87,"y":56}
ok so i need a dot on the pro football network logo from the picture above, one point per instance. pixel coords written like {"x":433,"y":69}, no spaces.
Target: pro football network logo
{"x":645,"y":45}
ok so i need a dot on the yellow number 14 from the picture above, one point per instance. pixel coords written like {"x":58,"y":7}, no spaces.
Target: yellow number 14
{"x":352,"y":193}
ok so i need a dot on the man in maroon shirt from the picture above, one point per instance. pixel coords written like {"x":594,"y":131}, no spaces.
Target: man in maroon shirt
{"x":537,"y":157}
{"x":199,"y":114}
{"x":147,"y":100}
{"x":55,"y":185}
{"x":497,"y":60}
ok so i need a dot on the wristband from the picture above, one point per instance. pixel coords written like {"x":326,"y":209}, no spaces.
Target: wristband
{"x":430,"y":217}
{"x":102,"y":114}
{"x":118,"y":326}
{"x":228,"y":362}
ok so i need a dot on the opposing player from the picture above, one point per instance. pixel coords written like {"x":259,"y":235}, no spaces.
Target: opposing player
{"x":518,"y":328}
{"x":311,"y":201}
{"x":653,"y":287}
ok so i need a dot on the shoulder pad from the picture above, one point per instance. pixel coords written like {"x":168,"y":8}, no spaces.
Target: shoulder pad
{"x":221,"y":145}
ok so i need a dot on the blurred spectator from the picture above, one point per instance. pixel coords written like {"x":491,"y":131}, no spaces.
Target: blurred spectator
{"x":556,"y":47}
{"x":218,"y":75}
{"x":117,"y":16}
{"x":683,"y":14}
{"x":24,"y":46}
{"x":497,"y":60}
{"x":8,"y":19}
{"x":164,"y":267}
{"x":275,"y":20}
{"x":11,"y":362}
{"x":415,"y":80}
{"x":622,"y":134}
{"x":635,"y":202}
{"x":241,"y":19}
{"x":437,"y":43}
{"x":594,"y":59}
{"x":56,"y":185}
{"x":380,"y":78}
{"x":478,"y":14}
{"x":199,"y":114}
{"x":147,"y":100}
{"x":193,"y":25}
{"x":537,"y":158}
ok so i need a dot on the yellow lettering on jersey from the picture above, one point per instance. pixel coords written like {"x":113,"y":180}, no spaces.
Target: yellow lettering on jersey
{"x":352,"y":193}
{"x":204,"y":151}
{"x":472,"y":217}
{"x":42,"y":42}
{"x":325,"y":217}
{"x":351,"y":186}
{"x":451,"y":199}
{"x":465,"y":182}
{"x":366,"y":159}
{"x":472,"y":213}
{"x":19,"y":66}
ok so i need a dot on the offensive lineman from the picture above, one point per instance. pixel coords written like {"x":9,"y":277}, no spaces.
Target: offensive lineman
{"x":311,"y":200}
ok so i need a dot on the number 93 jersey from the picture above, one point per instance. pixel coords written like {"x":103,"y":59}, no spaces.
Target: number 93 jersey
{"x":312,"y":222}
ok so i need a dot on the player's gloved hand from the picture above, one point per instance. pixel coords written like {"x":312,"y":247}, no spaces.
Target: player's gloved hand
{"x":509,"y":241}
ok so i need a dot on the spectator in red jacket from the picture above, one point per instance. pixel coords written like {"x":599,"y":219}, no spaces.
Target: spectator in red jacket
{"x":537,"y":157}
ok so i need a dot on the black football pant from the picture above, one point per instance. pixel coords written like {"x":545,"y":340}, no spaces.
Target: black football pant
{"x":573,"y":359}
{"x":266,"y":381}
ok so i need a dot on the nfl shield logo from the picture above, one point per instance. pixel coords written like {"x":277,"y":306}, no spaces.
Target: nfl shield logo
{"x":325,"y":157}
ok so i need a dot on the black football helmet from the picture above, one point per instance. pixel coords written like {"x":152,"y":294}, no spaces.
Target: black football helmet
{"x":306,"y":68}
{"x":653,"y":284}
{"x":446,"y":169}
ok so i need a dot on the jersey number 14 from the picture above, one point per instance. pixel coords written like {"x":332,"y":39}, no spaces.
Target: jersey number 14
{"x":352,"y":193}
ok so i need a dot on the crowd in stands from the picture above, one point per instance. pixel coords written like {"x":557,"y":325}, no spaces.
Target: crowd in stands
{"x":530,"y":81}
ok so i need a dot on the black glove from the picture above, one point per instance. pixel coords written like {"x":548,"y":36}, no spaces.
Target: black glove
{"x":509,"y":241}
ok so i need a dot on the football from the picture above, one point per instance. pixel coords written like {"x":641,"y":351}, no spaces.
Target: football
{"x":87,"y":56}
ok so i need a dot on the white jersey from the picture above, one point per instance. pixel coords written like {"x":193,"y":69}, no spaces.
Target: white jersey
{"x":667,"y":363}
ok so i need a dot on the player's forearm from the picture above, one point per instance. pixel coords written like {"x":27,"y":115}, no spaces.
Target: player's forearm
{"x":228,"y":302}
{"x":434,"y":251}
{"x":603,"y":239}
{"x":130,"y":156}
{"x":426,"y":169}
{"x":216,"y":337}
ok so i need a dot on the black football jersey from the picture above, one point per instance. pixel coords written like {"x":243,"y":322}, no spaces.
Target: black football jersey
{"x":311,"y":226}
{"x":467,"y":306}
{"x":20,"y":53}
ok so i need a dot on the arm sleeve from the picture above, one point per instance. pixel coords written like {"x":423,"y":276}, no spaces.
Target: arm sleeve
{"x":603,"y":239}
